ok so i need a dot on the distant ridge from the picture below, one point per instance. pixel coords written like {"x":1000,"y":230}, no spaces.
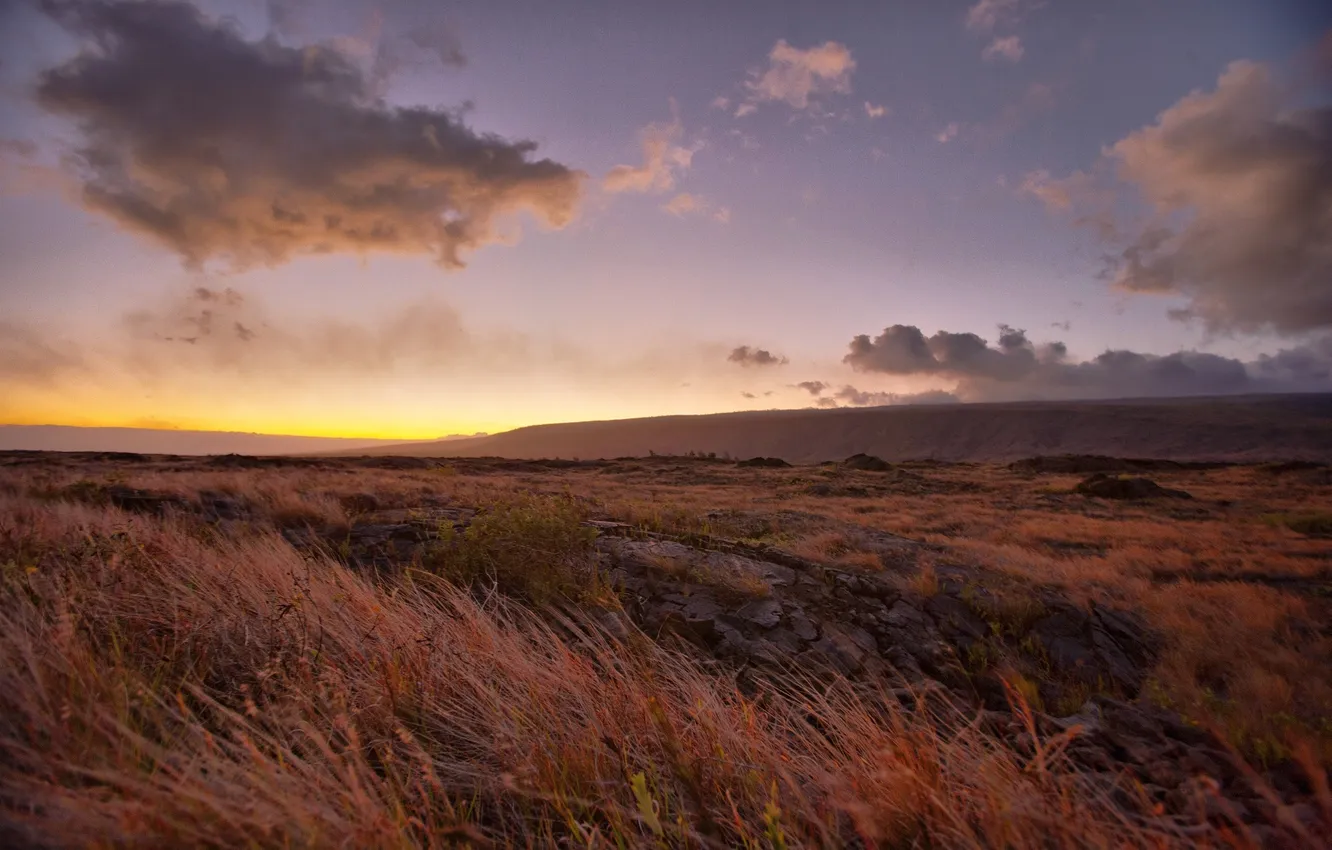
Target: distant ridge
{"x":67,"y":438}
{"x":1249,"y":428}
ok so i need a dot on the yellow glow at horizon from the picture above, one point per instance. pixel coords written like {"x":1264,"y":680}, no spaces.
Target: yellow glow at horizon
{"x":405,"y":411}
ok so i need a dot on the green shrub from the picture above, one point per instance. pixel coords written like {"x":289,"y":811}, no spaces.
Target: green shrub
{"x":1312,"y":524}
{"x":534,"y":547}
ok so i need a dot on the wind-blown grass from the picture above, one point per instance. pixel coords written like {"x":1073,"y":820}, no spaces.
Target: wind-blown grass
{"x":162,"y":687}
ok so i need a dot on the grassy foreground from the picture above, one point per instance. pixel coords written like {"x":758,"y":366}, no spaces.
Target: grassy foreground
{"x":166,"y":683}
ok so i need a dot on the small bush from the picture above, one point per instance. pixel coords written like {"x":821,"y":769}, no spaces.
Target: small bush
{"x":534,"y":547}
{"x":1312,"y":524}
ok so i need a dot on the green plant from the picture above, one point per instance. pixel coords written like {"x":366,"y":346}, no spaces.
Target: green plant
{"x":1025,"y":688}
{"x":1314,"y":524}
{"x":534,"y":547}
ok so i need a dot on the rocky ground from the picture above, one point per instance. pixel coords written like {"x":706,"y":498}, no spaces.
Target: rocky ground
{"x":925,"y":617}
{"x":1030,"y":663}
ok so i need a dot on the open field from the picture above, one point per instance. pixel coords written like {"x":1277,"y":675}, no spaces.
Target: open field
{"x":663,"y":650}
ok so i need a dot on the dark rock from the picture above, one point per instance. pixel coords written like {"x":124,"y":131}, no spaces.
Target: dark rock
{"x":802,"y":626}
{"x":1086,"y":464}
{"x":764,"y":463}
{"x":235,"y":461}
{"x":143,"y":501}
{"x":764,"y":613}
{"x":955,"y":618}
{"x":786,"y":640}
{"x":1292,"y":466}
{"x":119,"y":457}
{"x":701,"y":608}
{"x":824,"y":488}
{"x":910,"y":639}
{"x":607,"y":526}
{"x":700,"y":630}
{"x":359,"y":503}
{"x":1064,"y":635}
{"x":845,"y":648}
{"x":394,"y":462}
{"x":1122,"y":643}
{"x":904,"y":615}
{"x":219,"y":506}
{"x":866,"y":462}
{"x":1104,"y":486}
{"x":374,"y":533}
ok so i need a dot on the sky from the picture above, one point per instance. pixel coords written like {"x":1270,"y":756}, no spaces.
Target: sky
{"x":407,"y":219}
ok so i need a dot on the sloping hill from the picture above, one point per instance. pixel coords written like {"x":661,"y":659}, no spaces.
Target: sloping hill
{"x":1230,"y":428}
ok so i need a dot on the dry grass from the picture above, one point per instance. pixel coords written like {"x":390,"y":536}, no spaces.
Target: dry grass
{"x":522,"y":731}
{"x":157,"y":689}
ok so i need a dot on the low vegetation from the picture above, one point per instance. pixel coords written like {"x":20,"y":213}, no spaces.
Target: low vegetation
{"x":533,"y":548}
{"x":181,"y":666}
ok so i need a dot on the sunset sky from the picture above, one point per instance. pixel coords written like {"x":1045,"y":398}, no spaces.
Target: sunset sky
{"x":410,"y":218}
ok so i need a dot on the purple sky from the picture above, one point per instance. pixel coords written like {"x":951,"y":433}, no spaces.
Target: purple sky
{"x":777,"y":175}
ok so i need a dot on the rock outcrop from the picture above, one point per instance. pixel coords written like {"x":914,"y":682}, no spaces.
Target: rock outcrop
{"x":1104,"y":486}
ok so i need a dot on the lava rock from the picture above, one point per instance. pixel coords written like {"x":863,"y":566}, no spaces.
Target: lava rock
{"x":359,"y":503}
{"x":764,"y":463}
{"x":764,"y":613}
{"x":1104,"y":486}
{"x":869,"y":463}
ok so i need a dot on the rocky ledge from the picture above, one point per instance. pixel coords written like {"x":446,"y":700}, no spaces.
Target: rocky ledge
{"x":1027,"y":662}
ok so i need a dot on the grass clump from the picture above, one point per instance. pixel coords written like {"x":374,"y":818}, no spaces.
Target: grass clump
{"x":534,"y":547}
{"x":1310,"y":524}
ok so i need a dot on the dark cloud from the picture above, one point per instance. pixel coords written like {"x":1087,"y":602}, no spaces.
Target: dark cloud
{"x":746,"y":356}
{"x":748,"y":395}
{"x":899,"y":350}
{"x":1015,"y":368}
{"x":812,"y":387}
{"x":256,"y":152}
{"x":1238,"y":184}
{"x":1126,"y":374}
{"x":1304,"y":367}
{"x":904,"y":350}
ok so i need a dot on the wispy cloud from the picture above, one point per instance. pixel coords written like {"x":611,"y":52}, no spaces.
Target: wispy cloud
{"x":874,"y":110}
{"x":1006,"y":49}
{"x":664,"y":159}
{"x":798,"y":77}
{"x":687,"y":203}
{"x":986,"y":15}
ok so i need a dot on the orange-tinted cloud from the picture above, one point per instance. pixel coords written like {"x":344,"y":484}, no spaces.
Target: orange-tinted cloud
{"x":796,"y":76}
{"x":1237,"y":183}
{"x":664,"y":159}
